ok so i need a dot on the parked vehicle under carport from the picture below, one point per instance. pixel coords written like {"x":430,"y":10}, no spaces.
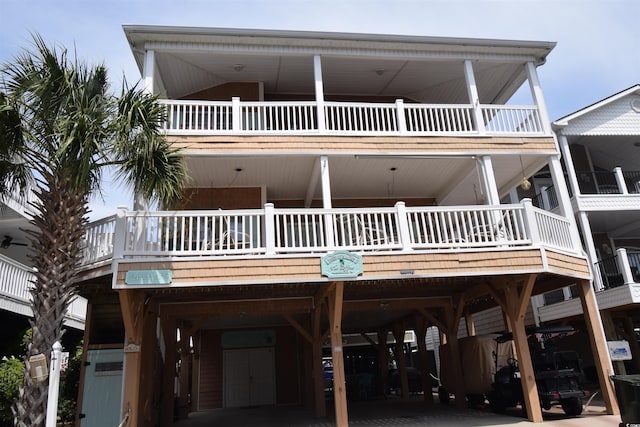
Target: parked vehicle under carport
{"x":558,"y":373}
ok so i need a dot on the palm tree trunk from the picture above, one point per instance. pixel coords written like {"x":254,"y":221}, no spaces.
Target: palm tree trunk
{"x":57,"y":251}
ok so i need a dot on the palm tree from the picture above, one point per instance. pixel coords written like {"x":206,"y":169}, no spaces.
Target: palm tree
{"x":60,"y":128}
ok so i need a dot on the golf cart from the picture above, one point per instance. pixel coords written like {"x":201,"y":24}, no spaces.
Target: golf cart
{"x":558,"y":373}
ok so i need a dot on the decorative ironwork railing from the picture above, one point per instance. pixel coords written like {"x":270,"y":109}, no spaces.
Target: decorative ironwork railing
{"x":269,"y":231}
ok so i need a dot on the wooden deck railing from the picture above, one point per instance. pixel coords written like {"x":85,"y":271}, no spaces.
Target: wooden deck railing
{"x":271,"y":232}
{"x":301,"y":117}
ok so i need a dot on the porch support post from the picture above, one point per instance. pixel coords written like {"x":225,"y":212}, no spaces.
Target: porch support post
{"x":453,"y":316}
{"x":488,"y":180}
{"x":517,"y":302}
{"x":536,"y":94}
{"x":149,"y":381}
{"x":568,"y":163}
{"x":319,"y":88}
{"x":337,"y":355}
{"x":326,"y":199}
{"x":132,"y":306}
{"x":168,"y":371}
{"x":598,"y":345}
{"x":560,"y":187}
{"x":423,"y":357}
{"x":401,"y":359}
{"x":183,"y":401}
{"x":383,"y":357}
{"x":474,"y":99}
{"x":587,"y":235}
{"x":320,"y":407}
{"x":148,"y":71}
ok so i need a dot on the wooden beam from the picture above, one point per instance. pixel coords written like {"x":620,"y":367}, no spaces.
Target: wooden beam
{"x":383,"y":357}
{"x":320,"y":407}
{"x":527,"y":375}
{"x":459,"y":309}
{"x":322,"y":293}
{"x":369,"y":340}
{"x":598,"y":345}
{"x":211,"y":309}
{"x":339,"y":381}
{"x":468,"y":320}
{"x":168,"y":371}
{"x":298,"y":327}
{"x":396,"y":304}
{"x":421,"y":327}
{"x":132,"y":307}
{"x":496,"y":297}
{"x":401,"y":359}
{"x":456,"y":364}
{"x":525,"y":295}
{"x":430,"y":317}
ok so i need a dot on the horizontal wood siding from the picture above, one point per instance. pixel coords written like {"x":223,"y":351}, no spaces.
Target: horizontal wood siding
{"x":355,"y":144}
{"x":566,"y":264}
{"x":251,"y":270}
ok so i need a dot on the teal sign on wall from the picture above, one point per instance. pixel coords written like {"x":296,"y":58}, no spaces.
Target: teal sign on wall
{"x":148,"y":277}
{"x":341,"y":264}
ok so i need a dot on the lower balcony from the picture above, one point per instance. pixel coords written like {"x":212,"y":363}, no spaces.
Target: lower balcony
{"x":276,"y":233}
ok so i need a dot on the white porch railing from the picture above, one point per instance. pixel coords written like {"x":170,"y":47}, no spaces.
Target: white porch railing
{"x":270,"y":232}
{"x":286,"y":117}
{"x":15,"y":281}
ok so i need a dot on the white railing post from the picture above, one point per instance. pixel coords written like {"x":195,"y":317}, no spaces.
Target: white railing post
{"x":402,"y":124}
{"x":622,"y":185}
{"x":235,"y":114}
{"x":623,"y":265}
{"x":120,"y":231}
{"x":403,"y":225}
{"x":54,"y":385}
{"x":269,"y":228}
{"x":530,"y":222}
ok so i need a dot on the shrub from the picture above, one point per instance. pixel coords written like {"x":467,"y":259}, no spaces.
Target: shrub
{"x":11,"y":372}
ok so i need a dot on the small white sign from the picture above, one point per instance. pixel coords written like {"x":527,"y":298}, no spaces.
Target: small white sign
{"x":64,"y":361}
{"x":619,"y":350}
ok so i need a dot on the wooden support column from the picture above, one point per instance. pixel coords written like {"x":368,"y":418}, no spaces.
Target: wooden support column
{"x":85,"y":352}
{"x":401,"y":359}
{"x":183,"y":378}
{"x":149,"y":381}
{"x":453,"y":316}
{"x":598,"y":345}
{"x":339,"y":381}
{"x":611,"y":334}
{"x":516,"y":303}
{"x":630,"y":336}
{"x":169,"y":370}
{"x":132,"y":306}
{"x":383,"y":360}
{"x":423,"y":357}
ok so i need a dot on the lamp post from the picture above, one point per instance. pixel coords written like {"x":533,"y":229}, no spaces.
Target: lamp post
{"x":54,"y":385}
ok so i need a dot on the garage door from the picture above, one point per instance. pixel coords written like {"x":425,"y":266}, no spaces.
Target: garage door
{"x":249,"y":377}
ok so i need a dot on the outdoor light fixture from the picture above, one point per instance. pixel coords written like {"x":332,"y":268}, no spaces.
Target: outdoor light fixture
{"x":525,"y":184}
{"x":38,"y":368}
{"x":238,"y":67}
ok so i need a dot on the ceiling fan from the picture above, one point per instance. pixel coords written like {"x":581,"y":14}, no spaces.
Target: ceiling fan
{"x":8,"y":241}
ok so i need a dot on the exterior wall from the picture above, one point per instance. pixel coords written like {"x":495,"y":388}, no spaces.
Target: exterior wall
{"x":246,"y":91}
{"x":222,"y":198}
{"x":253,"y":270}
{"x":288,"y":357}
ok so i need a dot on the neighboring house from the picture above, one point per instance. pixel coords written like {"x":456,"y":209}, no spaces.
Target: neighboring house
{"x":338,"y":183}
{"x":601,"y":153}
{"x":16,"y":275}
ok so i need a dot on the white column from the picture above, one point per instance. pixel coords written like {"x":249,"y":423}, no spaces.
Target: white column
{"x":583,"y":217}
{"x":622,"y":185}
{"x":564,"y":201}
{"x":536,"y":93}
{"x":474,"y":99}
{"x":326,"y":199}
{"x":269,"y":229}
{"x":568,"y":163}
{"x":488,"y":178}
{"x":623,"y":264}
{"x":148,"y":71}
{"x":319,"y":88}
{"x":54,"y":385}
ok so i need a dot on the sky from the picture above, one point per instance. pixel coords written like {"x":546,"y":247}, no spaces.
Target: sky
{"x":597,"y":52}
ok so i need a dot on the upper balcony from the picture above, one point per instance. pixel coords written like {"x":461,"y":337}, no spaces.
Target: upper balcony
{"x":258,"y":82}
